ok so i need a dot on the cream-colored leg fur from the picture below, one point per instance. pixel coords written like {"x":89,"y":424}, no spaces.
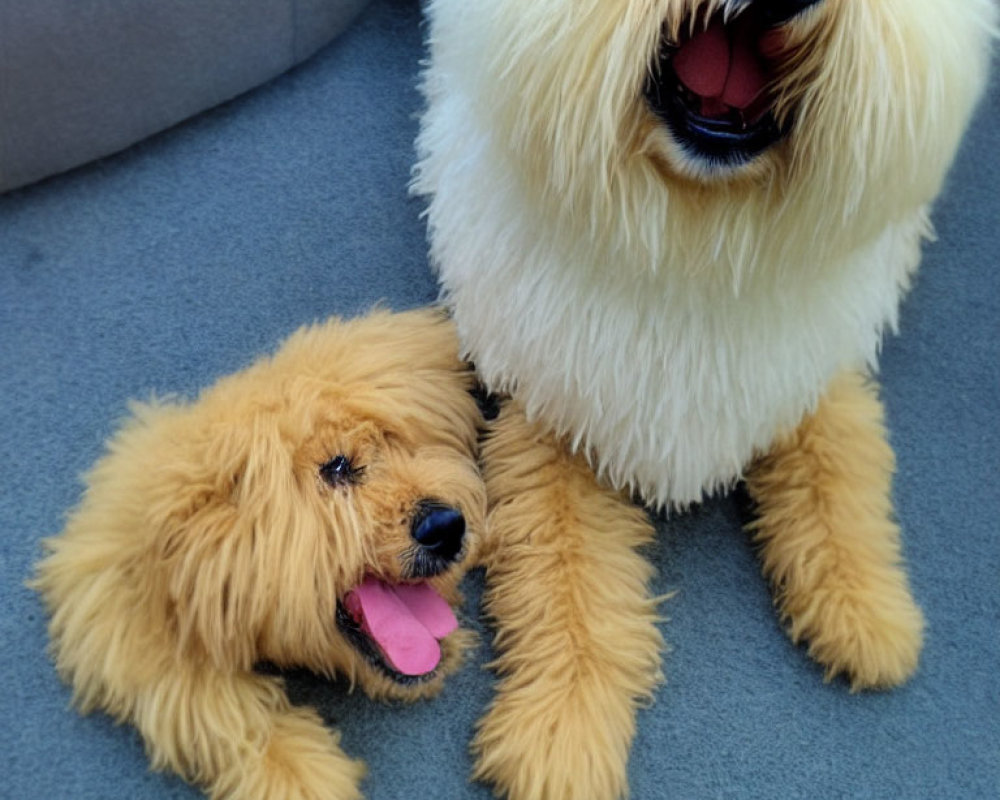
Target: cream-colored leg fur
{"x":236,"y":735}
{"x":829,"y":544}
{"x":575,"y":627}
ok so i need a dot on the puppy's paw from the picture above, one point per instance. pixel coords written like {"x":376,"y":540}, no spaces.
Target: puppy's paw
{"x":532,"y":747}
{"x":301,"y":761}
{"x":871,"y":632}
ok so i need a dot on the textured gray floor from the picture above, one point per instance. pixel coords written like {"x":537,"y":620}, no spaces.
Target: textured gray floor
{"x":183,"y":258}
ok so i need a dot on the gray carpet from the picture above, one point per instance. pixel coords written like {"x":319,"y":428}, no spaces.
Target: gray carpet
{"x":184,"y":257}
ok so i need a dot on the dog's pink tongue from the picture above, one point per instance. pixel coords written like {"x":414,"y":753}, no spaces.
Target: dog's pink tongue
{"x":405,"y":620}
{"x":722,"y":65}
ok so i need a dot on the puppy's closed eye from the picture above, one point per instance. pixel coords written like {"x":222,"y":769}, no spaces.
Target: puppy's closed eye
{"x":340,"y":471}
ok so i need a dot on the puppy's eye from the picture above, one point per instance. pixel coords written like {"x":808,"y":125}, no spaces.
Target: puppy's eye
{"x":339,"y":471}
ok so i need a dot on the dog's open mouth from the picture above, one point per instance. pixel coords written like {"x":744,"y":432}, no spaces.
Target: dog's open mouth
{"x":397,"y":627}
{"x":713,"y":82}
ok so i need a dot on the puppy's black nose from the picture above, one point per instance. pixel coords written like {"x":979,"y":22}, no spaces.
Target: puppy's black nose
{"x":438,"y":528}
{"x":775,"y":12}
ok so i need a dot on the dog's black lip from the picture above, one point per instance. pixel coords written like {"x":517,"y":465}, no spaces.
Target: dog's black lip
{"x":778,"y":12}
{"x":361,"y":642}
{"x":718,"y":141}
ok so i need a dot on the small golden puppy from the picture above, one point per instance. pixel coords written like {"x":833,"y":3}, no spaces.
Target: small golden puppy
{"x":676,"y":231}
{"x":315,"y":510}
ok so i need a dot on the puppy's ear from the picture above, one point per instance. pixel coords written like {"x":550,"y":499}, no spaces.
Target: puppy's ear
{"x":203,"y":544}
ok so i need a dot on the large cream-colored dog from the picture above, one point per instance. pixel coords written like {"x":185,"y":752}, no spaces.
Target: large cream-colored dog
{"x":315,"y":510}
{"x":675,"y":231}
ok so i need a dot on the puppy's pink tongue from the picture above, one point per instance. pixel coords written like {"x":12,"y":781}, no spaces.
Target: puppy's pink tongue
{"x":405,"y":620}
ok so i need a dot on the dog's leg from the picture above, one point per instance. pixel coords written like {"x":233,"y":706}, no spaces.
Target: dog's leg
{"x":829,"y":544}
{"x":576,"y":631}
{"x":237,"y":735}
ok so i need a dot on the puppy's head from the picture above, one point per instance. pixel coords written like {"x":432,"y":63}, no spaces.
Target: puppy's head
{"x":731,"y":132}
{"x":318,"y":508}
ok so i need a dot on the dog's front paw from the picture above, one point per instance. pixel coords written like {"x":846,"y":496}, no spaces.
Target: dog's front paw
{"x":533,"y":747}
{"x":829,"y":544}
{"x":870,"y":632}
{"x":301,"y":761}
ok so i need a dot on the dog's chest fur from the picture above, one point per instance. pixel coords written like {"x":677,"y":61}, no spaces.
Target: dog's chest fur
{"x":671,"y":378}
{"x":672,"y":386}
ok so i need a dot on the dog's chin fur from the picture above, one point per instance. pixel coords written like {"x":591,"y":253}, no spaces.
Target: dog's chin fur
{"x":209,"y":541}
{"x":377,"y":685}
{"x":670,"y":315}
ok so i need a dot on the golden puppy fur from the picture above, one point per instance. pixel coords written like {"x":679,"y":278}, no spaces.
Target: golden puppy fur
{"x":685,"y":312}
{"x":828,"y":542}
{"x":576,"y":630}
{"x":207,"y":541}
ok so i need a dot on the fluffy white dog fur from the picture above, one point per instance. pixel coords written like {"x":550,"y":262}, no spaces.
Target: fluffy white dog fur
{"x":683,"y":322}
{"x":673,"y":321}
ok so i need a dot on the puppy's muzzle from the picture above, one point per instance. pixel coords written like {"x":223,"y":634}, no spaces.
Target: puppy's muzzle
{"x":439,"y":531}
